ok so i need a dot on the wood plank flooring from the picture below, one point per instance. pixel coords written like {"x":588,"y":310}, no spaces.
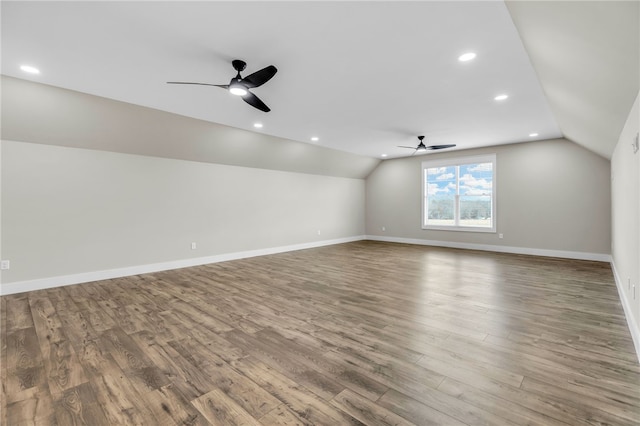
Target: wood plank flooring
{"x":361,"y":333}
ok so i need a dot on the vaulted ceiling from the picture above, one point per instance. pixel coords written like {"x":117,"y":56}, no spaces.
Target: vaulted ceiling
{"x":587,"y":57}
{"x":363,"y":77}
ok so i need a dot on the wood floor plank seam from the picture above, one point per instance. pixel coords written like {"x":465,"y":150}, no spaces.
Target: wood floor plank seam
{"x":362,"y":333}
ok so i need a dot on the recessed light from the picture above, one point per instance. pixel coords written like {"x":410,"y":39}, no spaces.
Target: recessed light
{"x":501,"y":97}
{"x":257,"y":125}
{"x":533,"y":135}
{"x":383,"y":155}
{"x":466,"y":57}
{"x":315,"y":139}
{"x":29,"y":69}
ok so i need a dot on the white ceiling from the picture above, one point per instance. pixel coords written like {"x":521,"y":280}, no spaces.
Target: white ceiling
{"x":587,"y":56}
{"x":362,"y":76}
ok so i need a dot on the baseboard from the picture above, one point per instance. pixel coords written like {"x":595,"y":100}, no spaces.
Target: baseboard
{"x":60,"y":281}
{"x":628,"y":313}
{"x":600,"y":257}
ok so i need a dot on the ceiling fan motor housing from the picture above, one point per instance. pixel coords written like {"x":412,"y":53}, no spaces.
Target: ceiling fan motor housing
{"x":238,"y":65}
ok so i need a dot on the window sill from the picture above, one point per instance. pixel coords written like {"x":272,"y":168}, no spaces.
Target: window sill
{"x":459,"y":229}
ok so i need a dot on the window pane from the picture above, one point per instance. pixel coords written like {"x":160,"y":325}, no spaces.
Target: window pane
{"x":475,"y":210}
{"x":441,"y":211}
{"x":441,"y":192}
{"x":476,"y":189}
{"x":459,"y":194}
{"x":476,"y":179}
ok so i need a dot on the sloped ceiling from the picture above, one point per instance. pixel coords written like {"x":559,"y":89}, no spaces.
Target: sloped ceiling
{"x":33,"y":112}
{"x":363,"y":76}
{"x":587,"y":57}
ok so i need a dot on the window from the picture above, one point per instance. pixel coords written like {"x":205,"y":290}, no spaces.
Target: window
{"x":459,"y":194}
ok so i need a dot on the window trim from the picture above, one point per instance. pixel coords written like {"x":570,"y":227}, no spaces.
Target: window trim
{"x":460,"y":161}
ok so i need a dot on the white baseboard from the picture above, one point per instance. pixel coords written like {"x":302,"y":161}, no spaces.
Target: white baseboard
{"x":601,"y":257}
{"x":628,"y":313}
{"x":60,"y":281}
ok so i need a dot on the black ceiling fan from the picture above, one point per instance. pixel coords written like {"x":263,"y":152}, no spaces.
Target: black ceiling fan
{"x":240,"y":86}
{"x":422,"y":147}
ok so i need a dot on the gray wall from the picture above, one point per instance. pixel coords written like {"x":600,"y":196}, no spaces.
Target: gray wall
{"x":91,"y":184}
{"x":68,"y":210}
{"x":33,"y":112}
{"x":625,"y":205}
{"x":551,"y":195}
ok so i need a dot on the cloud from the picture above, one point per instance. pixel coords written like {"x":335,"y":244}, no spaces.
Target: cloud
{"x":475,"y":180}
{"x":471,"y":181}
{"x":434,"y":188}
{"x":469,"y":185}
{"x":482,"y":167}
{"x":446,"y":176}
{"x":436,"y":170}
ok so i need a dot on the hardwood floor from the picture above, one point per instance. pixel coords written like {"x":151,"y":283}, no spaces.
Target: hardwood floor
{"x":360,"y":333}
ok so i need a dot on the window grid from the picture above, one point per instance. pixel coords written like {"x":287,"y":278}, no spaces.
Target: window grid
{"x":451,"y":169}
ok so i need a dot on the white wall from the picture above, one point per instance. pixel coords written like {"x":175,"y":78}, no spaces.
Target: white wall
{"x":69,"y":211}
{"x":553,"y":198}
{"x":625,"y":206}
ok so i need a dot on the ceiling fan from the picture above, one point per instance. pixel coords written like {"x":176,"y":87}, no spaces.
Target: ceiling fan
{"x":422,"y":147}
{"x":240,"y":86}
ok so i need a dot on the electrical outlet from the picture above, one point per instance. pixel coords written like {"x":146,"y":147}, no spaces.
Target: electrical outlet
{"x":5,"y":264}
{"x":384,"y":229}
{"x":194,"y":246}
{"x":318,"y":232}
{"x":501,"y":236}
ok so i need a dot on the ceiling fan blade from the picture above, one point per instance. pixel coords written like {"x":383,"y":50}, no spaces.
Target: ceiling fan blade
{"x":440,"y":146}
{"x":259,"y":78}
{"x":255,"y":102}
{"x":410,"y":147}
{"x":224,"y":86}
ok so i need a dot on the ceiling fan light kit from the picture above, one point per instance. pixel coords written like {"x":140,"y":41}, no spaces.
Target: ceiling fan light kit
{"x":240,"y":86}
{"x":237,"y":89}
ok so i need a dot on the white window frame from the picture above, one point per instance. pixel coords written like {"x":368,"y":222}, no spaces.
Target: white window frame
{"x":459,"y":161}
